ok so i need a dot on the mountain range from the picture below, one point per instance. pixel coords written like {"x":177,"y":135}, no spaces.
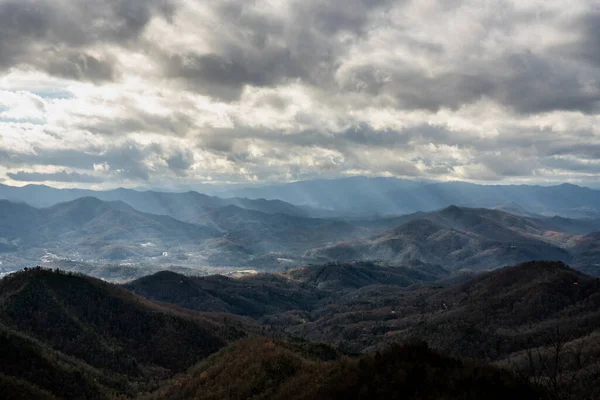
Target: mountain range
{"x":371,"y":196}
{"x":503,"y":316}
{"x":326,"y":331}
{"x":93,"y":231}
{"x":67,"y":336}
{"x":185,"y":206}
{"x":355,"y":196}
{"x":470,"y":238}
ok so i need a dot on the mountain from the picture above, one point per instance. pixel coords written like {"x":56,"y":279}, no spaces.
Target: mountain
{"x":91,"y":230}
{"x":363,"y":195}
{"x":263,"y":232}
{"x":356,"y":195}
{"x":116,"y":220}
{"x":258,"y":295}
{"x":266,"y":369}
{"x":85,"y":338}
{"x":457,"y":238}
{"x":77,"y":333}
{"x":586,"y":250}
{"x":88,"y":228}
{"x":31,"y":370}
{"x":253,"y":295}
{"x":514,"y":317}
{"x":348,"y":276}
{"x":184,"y":206}
{"x":362,"y":305}
{"x":487,"y":316}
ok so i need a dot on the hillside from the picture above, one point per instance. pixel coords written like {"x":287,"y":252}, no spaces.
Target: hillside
{"x":500,"y":316}
{"x":458,"y":238}
{"x":107,"y":340}
{"x":31,"y":370}
{"x":253,"y":296}
{"x":114,"y":220}
{"x":304,"y":288}
{"x":362,"y":305}
{"x":586,"y":249}
{"x":350,"y":276}
{"x":496,"y":316}
{"x":118,"y":337}
{"x":263,"y":232}
{"x":514,"y":317}
{"x":90,"y":229}
{"x":264,"y":369}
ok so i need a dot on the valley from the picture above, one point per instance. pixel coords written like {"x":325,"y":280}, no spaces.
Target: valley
{"x":204,"y":237}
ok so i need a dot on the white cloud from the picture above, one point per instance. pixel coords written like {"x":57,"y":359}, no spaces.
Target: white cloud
{"x":231,"y":91}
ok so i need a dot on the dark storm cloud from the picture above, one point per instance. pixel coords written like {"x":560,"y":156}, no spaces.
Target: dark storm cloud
{"x":412,"y":89}
{"x":54,"y":35}
{"x":62,"y":176}
{"x":583,"y":150}
{"x":331,"y":18}
{"x":180,"y":162}
{"x":80,"y":67}
{"x":224,"y":76}
{"x":525,"y":82}
{"x":587,"y":44}
{"x":264,"y":52}
{"x":537,"y":85}
{"x":365,"y":135}
{"x":308,"y":47}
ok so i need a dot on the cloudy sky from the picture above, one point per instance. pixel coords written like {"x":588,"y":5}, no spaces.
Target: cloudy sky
{"x":101,"y":93}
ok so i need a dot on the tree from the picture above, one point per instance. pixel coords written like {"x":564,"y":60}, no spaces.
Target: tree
{"x":559,"y":367}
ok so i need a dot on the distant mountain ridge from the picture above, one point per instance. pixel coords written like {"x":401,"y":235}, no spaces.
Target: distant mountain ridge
{"x":364,"y":195}
{"x":93,"y":227}
{"x":184,"y":206}
{"x":342,"y":197}
{"x":88,"y":230}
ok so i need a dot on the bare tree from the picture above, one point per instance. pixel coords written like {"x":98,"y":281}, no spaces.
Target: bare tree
{"x":557,"y":367}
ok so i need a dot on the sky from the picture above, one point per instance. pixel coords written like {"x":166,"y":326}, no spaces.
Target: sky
{"x":163,"y":93}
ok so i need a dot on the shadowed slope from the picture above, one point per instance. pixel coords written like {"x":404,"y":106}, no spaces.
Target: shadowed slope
{"x":262,"y":369}
{"x":105,"y":325}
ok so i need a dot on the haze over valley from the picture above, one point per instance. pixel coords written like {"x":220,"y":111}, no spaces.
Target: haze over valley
{"x":147,"y":231}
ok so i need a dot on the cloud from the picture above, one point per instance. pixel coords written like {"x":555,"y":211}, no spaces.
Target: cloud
{"x":61,"y":176}
{"x":187,"y":91}
{"x":57,"y":36}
